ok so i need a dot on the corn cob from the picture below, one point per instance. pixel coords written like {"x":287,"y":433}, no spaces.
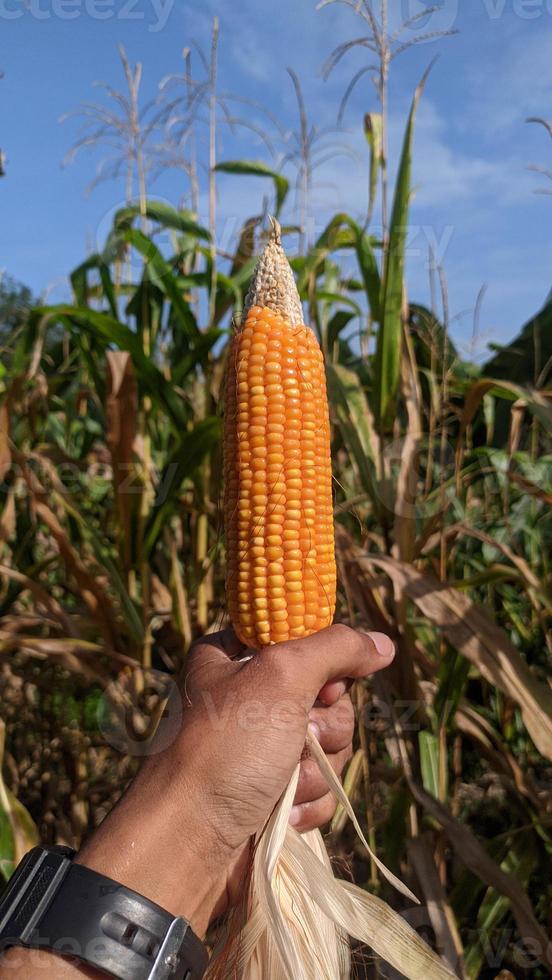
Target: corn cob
{"x":280,"y":585}
{"x":281,"y":575}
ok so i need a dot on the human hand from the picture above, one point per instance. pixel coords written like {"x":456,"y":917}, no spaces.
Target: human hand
{"x":181,"y":833}
{"x":256,"y":712}
{"x":194,"y":807}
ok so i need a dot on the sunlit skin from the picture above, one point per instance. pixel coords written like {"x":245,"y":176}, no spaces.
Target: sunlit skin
{"x":181,"y":833}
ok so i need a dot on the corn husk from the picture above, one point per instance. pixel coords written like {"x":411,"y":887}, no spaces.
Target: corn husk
{"x":300,"y":915}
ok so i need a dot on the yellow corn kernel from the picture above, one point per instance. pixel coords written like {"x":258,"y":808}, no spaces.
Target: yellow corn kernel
{"x":278,"y":485}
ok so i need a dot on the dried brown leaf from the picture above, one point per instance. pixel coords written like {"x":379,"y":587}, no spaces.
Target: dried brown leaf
{"x":449,"y":943}
{"x":41,"y":596}
{"x":474,"y":856}
{"x":122,"y":419}
{"x":489,"y":743}
{"x":517,"y":416}
{"x":476,"y":636}
{"x":92,"y":593}
{"x":68,"y":651}
{"x":92,"y":590}
{"x":530,"y":488}
{"x":180,"y":602}
{"x":7,"y":518}
{"x":5,"y":452}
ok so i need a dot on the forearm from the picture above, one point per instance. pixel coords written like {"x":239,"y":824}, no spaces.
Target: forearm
{"x":182,"y":833}
{"x":150,"y":843}
{"x":156,"y":843}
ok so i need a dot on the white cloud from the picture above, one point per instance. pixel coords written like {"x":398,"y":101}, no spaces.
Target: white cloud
{"x":445,"y":174}
{"x":253,"y":60}
{"x":517,"y":82}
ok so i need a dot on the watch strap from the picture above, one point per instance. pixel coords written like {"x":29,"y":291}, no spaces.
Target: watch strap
{"x":53,"y":904}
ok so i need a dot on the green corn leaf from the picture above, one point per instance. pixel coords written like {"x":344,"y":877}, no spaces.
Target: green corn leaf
{"x":111,"y":332}
{"x":255,"y":168}
{"x":335,"y":326}
{"x":389,"y":338}
{"x":325,"y":296}
{"x":192,"y":449}
{"x":184,"y":361}
{"x":104,"y":327}
{"x":146,"y":306}
{"x":520,"y":861}
{"x":373,"y":131}
{"x":79,"y":282}
{"x":348,"y":400}
{"x":344,"y":233}
{"x":18,"y":832}
{"x":453,"y":677}
{"x":162,"y":275}
{"x":163,"y":214}
{"x":228,"y":285}
{"x":429,"y":762}
{"x":368,"y":267}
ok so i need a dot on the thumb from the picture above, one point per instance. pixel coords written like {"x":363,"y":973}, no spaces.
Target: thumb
{"x":334,"y":653}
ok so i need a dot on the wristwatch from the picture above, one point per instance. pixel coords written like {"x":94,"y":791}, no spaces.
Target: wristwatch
{"x":53,"y":904}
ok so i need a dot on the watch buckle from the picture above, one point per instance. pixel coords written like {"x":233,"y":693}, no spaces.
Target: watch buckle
{"x":167,"y":960}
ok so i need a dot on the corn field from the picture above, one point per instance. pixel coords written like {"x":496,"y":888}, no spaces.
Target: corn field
{"x":112,"y":557}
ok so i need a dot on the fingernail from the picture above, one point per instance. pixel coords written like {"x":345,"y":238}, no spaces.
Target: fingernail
{"x":384,"y":645}
{"x":314,"y":729}
{"x":295,"y":816}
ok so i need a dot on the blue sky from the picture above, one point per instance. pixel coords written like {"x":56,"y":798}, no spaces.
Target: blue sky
{"x":475,"y":201}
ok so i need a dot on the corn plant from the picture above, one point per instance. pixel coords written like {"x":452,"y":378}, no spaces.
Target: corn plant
{"x":112,"y":560}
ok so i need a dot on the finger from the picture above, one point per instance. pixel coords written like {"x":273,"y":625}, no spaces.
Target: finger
{"x":312,"y":785}
{"x":227,"y":641}
{"x":332,"y":691}
{"x":224,"y":643}
{"x":335,"y":724}
{"x":332,"y":654}
{"x":309,"y":816}
{"x":210,"y":655}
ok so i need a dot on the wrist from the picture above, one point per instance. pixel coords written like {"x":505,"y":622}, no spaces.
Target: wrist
{"x":154,"y":843}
